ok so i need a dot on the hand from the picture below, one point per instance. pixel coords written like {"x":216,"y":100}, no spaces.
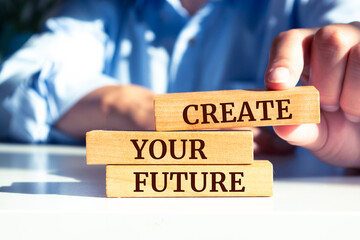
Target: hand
{"x":129,"y":107}
{"x":329,"y":59}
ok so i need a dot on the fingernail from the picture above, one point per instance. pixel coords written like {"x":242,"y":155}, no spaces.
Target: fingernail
{"x":352,"y":118}
{"x":330,"y":108}
{"x":279,"y":75}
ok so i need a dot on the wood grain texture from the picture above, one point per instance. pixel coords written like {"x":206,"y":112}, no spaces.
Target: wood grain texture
{"x":236,"y":108}
{"x":196,"y":147}
{"x":188,"y":181}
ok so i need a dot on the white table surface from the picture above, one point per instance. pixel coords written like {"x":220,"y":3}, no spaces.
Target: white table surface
{"x":48,"y":192}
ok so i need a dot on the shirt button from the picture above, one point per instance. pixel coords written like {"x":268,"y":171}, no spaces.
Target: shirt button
{"x":192,"y":41}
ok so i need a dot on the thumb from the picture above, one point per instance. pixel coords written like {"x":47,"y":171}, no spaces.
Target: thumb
{"x":310,"y":136}
{"x":289,"y":53}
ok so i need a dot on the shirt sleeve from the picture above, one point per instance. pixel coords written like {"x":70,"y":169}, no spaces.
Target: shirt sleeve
{"x":318,"y":13}
{"x":55,"y":69}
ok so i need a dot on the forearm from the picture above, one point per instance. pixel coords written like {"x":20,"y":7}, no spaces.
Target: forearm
{"x":109,"y":107}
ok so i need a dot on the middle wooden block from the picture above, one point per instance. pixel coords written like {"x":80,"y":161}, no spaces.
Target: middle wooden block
{"x":195,"y":147}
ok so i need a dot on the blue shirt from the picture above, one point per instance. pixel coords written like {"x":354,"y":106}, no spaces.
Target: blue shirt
{"x":153,"y":43}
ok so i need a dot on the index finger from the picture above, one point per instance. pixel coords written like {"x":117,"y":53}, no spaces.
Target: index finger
{"x":289,"y":53}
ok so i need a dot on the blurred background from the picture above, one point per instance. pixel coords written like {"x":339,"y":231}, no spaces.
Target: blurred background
{"x":19,"y":19}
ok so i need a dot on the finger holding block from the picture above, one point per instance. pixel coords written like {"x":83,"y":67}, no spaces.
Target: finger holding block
{"x":190,"y":181}
{"x":210,"y":147}
{"x":236,"y":108}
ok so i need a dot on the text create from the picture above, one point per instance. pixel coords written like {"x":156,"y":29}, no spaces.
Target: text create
{"x":231,"y":113}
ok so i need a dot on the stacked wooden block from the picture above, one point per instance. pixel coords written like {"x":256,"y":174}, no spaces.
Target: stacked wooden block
{"x":199,"y":163}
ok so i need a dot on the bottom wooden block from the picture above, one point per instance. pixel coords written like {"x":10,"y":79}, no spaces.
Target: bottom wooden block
{"x":190,"y":180}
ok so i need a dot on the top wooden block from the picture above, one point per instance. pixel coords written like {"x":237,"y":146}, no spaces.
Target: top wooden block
{"x":236,"y":108}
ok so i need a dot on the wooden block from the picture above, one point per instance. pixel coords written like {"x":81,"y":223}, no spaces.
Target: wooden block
{"x":189,"y":181}
{"x":236,"y":108}
{"x":211,"y":147}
